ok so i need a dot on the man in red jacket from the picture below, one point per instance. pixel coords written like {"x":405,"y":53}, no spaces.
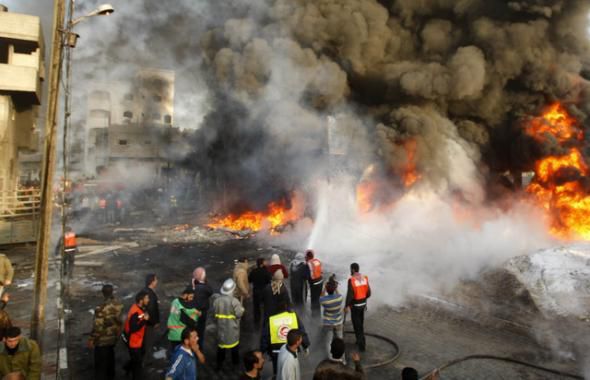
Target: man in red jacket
{"x":134,"y":332}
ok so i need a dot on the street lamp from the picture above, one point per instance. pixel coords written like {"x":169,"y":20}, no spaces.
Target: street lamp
{"x":69,"y":42}
{"x":71,"y":37}
{"x":60,"y":39}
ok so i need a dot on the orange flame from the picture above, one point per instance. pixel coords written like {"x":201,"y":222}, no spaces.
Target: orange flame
{"x":555,"y":186}
{"x":276,"y":215}
{"x":365,"y":195}
{"x":410,"y":175}
{"x":555,"y":121}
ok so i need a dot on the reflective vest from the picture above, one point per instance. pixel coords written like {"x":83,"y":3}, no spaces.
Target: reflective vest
{"x":70,"y":243}
{"x":102,"y":203}
{"x":360,"y":289}
{"x":175,"y":326}
{"x":280,"y":325}
{"x":315,"y":269}
{"x":135,"y":339}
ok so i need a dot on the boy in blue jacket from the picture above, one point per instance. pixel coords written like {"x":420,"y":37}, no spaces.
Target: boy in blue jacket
{"x":184,"y":359}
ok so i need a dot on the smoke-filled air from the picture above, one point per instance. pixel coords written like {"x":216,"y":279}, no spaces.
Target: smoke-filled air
{"x":407,"y":125}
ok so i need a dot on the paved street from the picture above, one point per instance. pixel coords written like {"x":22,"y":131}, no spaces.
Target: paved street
{"x":427,"y":336}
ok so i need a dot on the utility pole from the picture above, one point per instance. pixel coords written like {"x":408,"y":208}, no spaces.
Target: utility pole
{"x":44,"y":237}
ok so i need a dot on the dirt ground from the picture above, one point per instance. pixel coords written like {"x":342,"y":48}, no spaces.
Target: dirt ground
{"x":427,"y":335}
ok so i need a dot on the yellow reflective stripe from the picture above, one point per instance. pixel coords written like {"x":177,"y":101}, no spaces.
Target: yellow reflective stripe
{"x":228,"y":345}
{"x":225,"y":316}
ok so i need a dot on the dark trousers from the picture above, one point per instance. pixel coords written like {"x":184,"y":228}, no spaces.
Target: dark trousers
{"x":135,"y":363}
{"x":235,"y":355}
{"x":274,"y":357}
{"x":104,"y":362}
{"x":257,"y":302}
{"x":201,"y":325}
{"x":315,"y":290}
{"x":68,"y":263}
{"x":357,"y":315}
{"x":148,"y":344}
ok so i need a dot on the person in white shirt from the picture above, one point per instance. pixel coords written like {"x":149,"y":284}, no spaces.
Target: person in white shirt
{"x":288,"y":361}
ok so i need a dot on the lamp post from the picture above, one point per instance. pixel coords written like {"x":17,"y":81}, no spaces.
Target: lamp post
{"x":59,"y":37}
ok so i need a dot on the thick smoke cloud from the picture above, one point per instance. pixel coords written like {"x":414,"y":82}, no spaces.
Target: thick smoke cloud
{"x":467,"y":70}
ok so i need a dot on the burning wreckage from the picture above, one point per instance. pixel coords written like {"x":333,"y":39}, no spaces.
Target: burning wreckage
{"x":440,"y":109}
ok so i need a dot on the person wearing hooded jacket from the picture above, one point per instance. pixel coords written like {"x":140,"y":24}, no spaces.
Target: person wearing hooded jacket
{"x":275,"y":264}
{"x":274,"y":294}
{"x":228,"y":312}
{"x":298,"y":271}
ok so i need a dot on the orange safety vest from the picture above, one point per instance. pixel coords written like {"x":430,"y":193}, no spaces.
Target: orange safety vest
{"x":315,"y":269}
{"x":136,"y":338}
{"x":360,"y":287}
{"x":70,"y":240}
{"x":102,"y":203}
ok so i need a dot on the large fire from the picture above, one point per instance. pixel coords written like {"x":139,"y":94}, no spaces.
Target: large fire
{"x":276,"y":215}
{"x":374,"y":193}
{"x":555,"y":122}
{"x":556,"y":185}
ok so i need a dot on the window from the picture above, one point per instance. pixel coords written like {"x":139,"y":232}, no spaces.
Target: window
{"x":167,"y":119}
{"x":128,"y":114}
{"x":122,"y":142}
{"x":100,"y":95}
{"x":3,"y":52}
{"x":156,"y":116}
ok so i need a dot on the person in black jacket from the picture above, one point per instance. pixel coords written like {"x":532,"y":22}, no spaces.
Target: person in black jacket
{"x":275,"y":293}
{"x":259,"y":278}
{"x":266,"y":339}
{"x":298,"y":271}
{"x":201,"y":300}
{"x":153,"y":309}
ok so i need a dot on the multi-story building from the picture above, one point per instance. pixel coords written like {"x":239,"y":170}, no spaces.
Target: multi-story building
{"x":127,"y":124}
{"x":21,"y":76}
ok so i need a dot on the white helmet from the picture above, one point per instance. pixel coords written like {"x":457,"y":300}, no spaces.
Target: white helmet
{"x":228,"y":287}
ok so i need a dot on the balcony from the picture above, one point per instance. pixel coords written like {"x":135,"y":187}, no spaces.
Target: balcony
{"x":22,"y":83}
{"x":23,"y":31}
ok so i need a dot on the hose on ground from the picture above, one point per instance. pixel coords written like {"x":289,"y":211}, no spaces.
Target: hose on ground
{"x":386,"y":339}
{"x":504,"y":359}
{"x":460,"y":360}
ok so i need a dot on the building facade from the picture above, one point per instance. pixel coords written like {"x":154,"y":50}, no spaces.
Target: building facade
{"x":21,"y":76}
{"x":128,"y":124}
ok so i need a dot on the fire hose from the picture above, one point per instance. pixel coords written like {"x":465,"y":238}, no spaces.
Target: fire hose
{"x":504,"y":359}
{"x":460,"y":360}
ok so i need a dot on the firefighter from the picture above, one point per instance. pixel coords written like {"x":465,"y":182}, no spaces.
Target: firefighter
{"x":275,"y":330}
{"x":102,"y":208}
{"x":137,"y":319}
{"x":315,"y":280}
{"x":297,"y":273}
{"x":228,"y":312}
{"x":356,"y":301}
{"x":70,"y":249}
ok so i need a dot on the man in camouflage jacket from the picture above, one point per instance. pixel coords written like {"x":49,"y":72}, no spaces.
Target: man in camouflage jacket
{"x":105,"y":333}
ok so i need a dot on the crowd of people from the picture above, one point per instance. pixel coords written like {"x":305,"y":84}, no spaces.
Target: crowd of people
{"x":20,"y":357}
{"x":276,"y":310}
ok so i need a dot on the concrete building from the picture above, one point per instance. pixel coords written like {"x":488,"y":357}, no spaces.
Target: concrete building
{"x":21,"y":76}
{"x":125,"y":123}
